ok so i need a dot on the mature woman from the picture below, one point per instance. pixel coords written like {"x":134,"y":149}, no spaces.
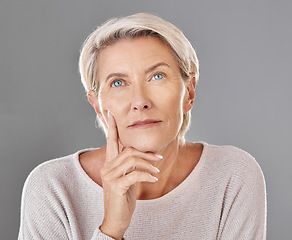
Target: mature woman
{"x":140,"y":74}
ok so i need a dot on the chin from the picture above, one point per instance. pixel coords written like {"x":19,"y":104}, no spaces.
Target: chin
{"x":145,"y":147}
{"x":146,"y":144}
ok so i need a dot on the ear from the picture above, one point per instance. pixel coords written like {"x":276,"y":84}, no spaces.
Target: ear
{"x":189,"y":94}
{"x":93,"y":100}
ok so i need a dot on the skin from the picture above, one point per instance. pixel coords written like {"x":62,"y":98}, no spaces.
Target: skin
{"x":139,"y":79}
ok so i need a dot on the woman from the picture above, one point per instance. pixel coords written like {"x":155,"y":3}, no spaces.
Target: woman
{"x":140,"y":75}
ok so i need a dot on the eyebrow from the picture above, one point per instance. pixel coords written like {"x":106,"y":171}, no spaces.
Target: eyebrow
{"x":118,"y":74}
{"x":156,"y":66}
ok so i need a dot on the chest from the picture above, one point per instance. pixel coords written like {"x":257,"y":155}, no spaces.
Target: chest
{"x":179,"y":218}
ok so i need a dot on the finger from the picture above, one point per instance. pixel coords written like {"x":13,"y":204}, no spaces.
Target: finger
{"x":136,"y":176}
{"x":112,"y":149}
{"x":130,"y":153}
{"x":132,"y":165}
{"x":121,"y":185}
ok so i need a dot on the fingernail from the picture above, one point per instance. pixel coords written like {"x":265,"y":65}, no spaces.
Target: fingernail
{"x":159,"y":156}
{"x":108,"y":113}
{"x":156,"y":179}
{"x":156,"y":169}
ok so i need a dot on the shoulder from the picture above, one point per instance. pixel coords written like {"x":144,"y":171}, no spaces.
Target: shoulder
{"x":240,"y":189}
{"x":53,"y":174}
{"x":230,"y":156}
{"x":52,"y":168}
{"x":45,"y":201}
{"x":227,"y":151}
{"x":50,"y":185}
{"x":234,"y":162}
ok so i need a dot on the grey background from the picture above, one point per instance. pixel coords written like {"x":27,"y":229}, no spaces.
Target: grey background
{"x":243,"y":95}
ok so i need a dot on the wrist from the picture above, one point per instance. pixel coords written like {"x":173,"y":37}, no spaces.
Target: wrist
{"x":112,"y":232}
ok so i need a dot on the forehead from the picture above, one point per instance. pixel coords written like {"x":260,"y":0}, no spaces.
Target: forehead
{"x":134,"y":54}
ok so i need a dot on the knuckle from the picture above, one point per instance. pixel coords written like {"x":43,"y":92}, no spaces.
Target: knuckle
{"x":132,"y":160}
{"x":135,"y":174}
{"x":130,"y":151}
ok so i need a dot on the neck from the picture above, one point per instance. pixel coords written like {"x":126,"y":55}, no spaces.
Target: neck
{"x":168,"y":177}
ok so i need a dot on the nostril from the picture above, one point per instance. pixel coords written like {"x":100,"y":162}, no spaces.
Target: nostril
{"x":141,"y":107}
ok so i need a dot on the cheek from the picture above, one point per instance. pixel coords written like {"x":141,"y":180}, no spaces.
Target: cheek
{"x":113,"y":104}
{"x":176,"y":107}
{"x":172,"y":99}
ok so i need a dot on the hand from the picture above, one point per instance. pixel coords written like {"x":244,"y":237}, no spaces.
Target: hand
{"x":120,"y":173}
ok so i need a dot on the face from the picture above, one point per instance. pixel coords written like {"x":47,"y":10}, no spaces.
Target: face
{"x":141,"y":85}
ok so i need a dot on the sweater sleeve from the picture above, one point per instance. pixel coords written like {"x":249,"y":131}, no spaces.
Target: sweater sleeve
{"x":46,"y":212}
{"x":42,"y":215}
{"x":243,"y":213}
{"x":99,"y":235}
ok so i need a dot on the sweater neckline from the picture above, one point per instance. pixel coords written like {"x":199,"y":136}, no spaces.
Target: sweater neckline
{"x":183,"y":186}
{"x":174,"y":192}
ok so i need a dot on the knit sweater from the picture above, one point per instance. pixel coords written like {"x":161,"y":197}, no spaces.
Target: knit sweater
{"x":224,"y":197}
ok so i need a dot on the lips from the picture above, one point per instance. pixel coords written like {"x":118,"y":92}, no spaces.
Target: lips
{"x":145,"y":123}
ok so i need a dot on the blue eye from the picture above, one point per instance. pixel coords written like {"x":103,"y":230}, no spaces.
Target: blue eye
{"x":158,"y":76}
{"x":117,"y":83}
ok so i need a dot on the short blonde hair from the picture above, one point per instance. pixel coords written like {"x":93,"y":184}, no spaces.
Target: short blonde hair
{"x":138,"y":25}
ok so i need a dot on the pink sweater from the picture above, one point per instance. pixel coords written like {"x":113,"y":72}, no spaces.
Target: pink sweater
{"x":224,"y":197}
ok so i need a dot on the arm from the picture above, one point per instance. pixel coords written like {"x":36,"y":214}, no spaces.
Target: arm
{"x":244,"y":207}
{"x":46,"y":207}
{"x":42,"y":220}
{"x":46,"y":212}
{"x":42,"y":217}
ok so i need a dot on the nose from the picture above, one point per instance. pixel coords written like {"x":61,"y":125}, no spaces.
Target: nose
{"x":140,"y":99}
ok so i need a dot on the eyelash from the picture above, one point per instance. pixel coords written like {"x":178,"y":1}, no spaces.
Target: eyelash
{"x":158,"y":73}
{"x":123,"y":83}
{"x":113,"y":82}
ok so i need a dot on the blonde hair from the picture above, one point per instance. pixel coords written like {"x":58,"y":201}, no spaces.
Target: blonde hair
{"x":137,"y":25}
